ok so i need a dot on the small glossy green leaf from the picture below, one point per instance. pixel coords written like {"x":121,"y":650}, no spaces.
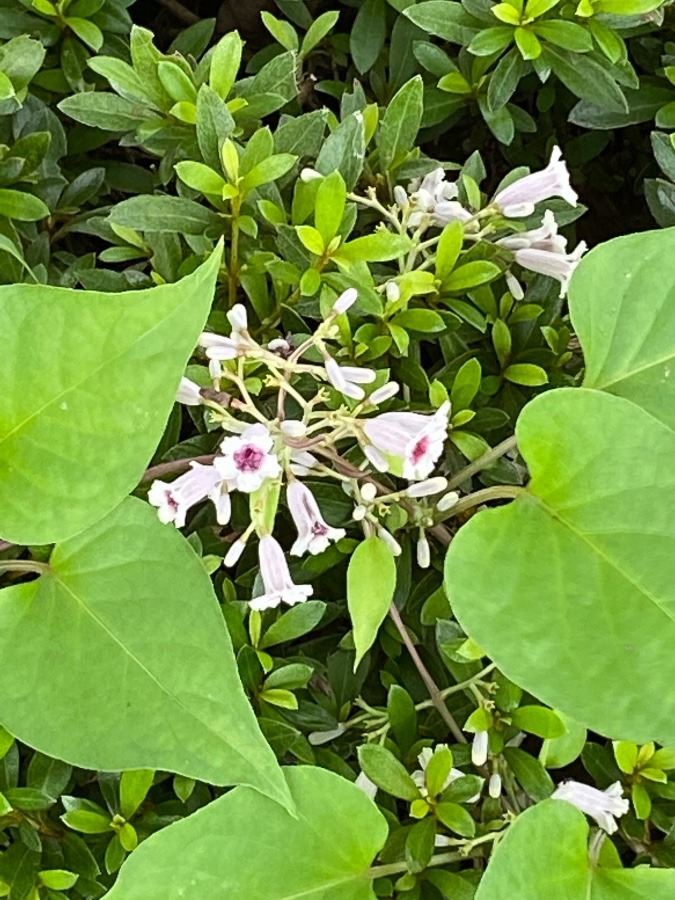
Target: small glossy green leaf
{"x":243,"y":846}
{"x":134,"y":786}
{"x":371,"y":580}
{"x":471,"y":274}
{"x":295,"y":622}
{"x":384,"y":770}
{"x":545,"y":723}
{"x":456,"y":818}
{"x":401,"y":123}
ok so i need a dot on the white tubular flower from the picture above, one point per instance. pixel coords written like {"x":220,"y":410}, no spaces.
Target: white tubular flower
{"x":375,"y":458}
{"x":415,"y":440}
{"x":347,"y":379}
{"x":520,"y":198}
{"x":543,"y":250}
{"x":217,"y":346}
{"x":174,"y":499}
{"x":233,"y":555}
{"x":314,"y":534}
{"x":495,"y":786}
{"x":447,"y":501}
{"x":423,"y":551}
{"x":560,"y":266}
{"x":302,"y":463}
{"x":316,"y":738}
{"x":363,"y":783}
{"x":278,"y":584}
{"x":433,"y":199}
{"x":189,"y":393}
{"x":347,"y":299}
{"x":238,"y":318}
{"x":603,"y":806}
{"x":428,"y":487}
{"x":419,"y":776}
{"x":390,"y":541}
{"x":248,"y":459}
{"x":479,"y":748}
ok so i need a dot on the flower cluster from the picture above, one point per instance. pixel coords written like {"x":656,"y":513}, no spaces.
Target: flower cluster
{"x":257,"y":457}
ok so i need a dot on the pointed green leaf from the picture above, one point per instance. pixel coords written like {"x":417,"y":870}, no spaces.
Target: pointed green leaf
{"x":77,"y":430}
{"x":577,"y":569}
{"x":371,"y":579}
{"x":128,"y":627}
{"x":629,"y":339}
{"x":243,"y":846}
{"x":545,"y":854}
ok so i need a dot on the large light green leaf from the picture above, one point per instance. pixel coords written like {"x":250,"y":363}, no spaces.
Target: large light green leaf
{"x":88,"y":381}
{"x":622,"y":302}
{"x":569,"y":588}
{"x":244,"y":847}
{"x":119,"y":658}
{"x":545,"y":854}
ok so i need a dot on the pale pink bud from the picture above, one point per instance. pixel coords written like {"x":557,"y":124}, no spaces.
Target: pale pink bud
{"x":479,"y":748}
{"x":390,"y":541}
{"x":384,"y":393}
{"x":447,"y":501}
{"x":238,"y":318}
{"x":495,"y":786}
{"x":423,"y":552}
{"x":428,"y":487}
{"x":368,"y":492}
{"x":189,"y":393}
{"x":347,"y":299}
{"x":293,"y":428}
{"x":233,"y":555}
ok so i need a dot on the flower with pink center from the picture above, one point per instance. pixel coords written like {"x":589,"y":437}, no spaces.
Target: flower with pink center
{"x":410,"y":443}
{"x":174,"y":499}
{"x":520,"y":198}
{"x":314,"y":534}
{"x":278,"y":586}
{"x":248,"y":459}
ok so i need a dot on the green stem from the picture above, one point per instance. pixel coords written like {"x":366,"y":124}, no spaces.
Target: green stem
{"x":497,"y":492}
{"x":21,"y":565}
{"x":483,"y":461}
{"x":441,"y":859}
{"x":233,"y":278}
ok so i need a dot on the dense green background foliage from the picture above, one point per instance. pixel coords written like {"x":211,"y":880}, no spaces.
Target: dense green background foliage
{"x":151,"y":176}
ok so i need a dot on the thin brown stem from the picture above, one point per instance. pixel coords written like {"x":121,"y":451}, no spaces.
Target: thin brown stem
{"x":180,"y":12}
{"x":432,"y":687}
{"x":497,"y":492}
{"x":174,"y":466}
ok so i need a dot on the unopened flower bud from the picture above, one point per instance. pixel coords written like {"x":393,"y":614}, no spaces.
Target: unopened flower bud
{"x":495,"y":786}
{"x":369,"y":492}
{"x":345,"y":300}
{"x":238,"y":318}
{"x":392,"y":291}
{"x":293,"y":428}
{"x":428,"y":487}
{"x":308,"y":174}
{"x":447,"y":501}
{"x":479,"y":748}
{"x":234,"y":553}
{"x":390,"y":541}
{"x":316,"y":738}
{"x":400,"y":195}
{"x":215,"y":369}
{"x":359,"y":513}
{"x":386,"y":392}
{"x":423,"y":552}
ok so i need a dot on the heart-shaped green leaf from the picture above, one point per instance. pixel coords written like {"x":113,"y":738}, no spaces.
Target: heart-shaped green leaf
{"x":621,"y":302}
{"x":124,"y":636}
{"x":569,"y":588}
{"x":243,"y":846}
{"x":545,"y":854}
{"x":88,"y":381}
